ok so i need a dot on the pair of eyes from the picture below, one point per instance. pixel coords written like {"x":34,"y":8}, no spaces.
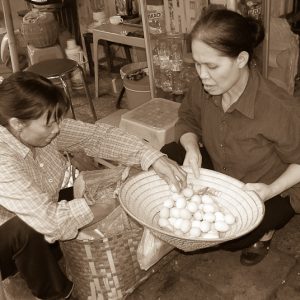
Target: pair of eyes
{"x":209,"y":66}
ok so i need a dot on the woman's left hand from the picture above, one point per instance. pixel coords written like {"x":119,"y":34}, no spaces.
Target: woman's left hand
{"x":169,"y":170}
{"x":263,"y":190}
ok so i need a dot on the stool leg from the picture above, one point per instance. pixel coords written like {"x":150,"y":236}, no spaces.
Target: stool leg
{"x":88,"y":95}
{"x":88,"y":39}
{"x":66,"y":89}
{"x":118,"y":105}
{"x":127,"y":52}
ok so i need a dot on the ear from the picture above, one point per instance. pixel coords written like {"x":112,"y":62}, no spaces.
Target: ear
{"x":16,"y":124}
{"x":242,"y":59}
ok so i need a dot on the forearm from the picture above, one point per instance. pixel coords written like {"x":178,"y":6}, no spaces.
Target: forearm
{"x":287,"y":179}
{"x":189,"y":141}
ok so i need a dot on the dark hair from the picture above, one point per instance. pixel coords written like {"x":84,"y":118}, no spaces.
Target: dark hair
{"x":27,"y":96}
{"x":229,"y":32}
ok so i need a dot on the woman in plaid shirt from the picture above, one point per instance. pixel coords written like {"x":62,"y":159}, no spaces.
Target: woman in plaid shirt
{"x":33,"y":136}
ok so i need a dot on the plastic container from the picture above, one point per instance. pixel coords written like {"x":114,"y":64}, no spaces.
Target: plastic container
{"x":153,"y":121}
{"x":74,"y":52}
{"x":137,"y":91}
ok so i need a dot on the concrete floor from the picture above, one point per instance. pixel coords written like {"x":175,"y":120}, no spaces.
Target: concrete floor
{"x":206,"y":274}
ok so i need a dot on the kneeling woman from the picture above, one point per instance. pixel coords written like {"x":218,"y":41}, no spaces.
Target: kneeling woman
{"x":249,"y":126}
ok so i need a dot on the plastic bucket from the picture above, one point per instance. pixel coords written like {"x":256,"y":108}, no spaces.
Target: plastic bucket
{"x":137,"y":92}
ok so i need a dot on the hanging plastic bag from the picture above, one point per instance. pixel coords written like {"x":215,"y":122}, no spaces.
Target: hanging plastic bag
{"x":151,"y":249}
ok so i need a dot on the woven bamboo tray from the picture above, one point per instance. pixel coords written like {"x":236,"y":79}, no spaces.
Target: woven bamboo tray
{"x":142,"y":197}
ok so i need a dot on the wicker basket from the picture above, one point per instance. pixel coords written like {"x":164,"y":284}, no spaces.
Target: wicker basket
{"x":40,"y":29}
{"x":142,"y":197}
{"x":107,"y":268}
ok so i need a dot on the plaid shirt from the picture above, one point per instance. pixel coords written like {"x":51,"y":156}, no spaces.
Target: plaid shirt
{"x":29,"y":186}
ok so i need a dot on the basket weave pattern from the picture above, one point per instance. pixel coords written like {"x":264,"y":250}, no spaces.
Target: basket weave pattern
{"x":107,"y":268}
{"x":142,"y":197}
{"x":42,"y":33}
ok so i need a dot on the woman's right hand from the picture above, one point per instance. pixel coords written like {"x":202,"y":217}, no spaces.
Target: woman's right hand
{"x":193,"y":158}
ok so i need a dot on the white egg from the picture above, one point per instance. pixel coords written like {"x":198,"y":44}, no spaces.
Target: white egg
{"x":169,"y":203}
{"x":178,"y":232}
{"x":219,"y":216}
{"x":221,"y":226}
{"x":198,"y":215}
{"x":209,"y":217}
{"x":197,"y":188}
{"x":205,"y":226}
{"x":229,"y":219}
{"x":164,"y":212}
{"x":200,"y":206}
{"x":208,"y":208}
{"x":196,"y":223}
{"x":212,"y":234}
{"x":206,"y":199}
{"x":187,"y":192}
{"x":185,"y":214}
{"x":172,"y":220}
{"x":196,"y":199}
{"x":185,"y":226}
{"x":192,"y":207}
{"x":175,"y":196}
{"x":173,"y":188}
{"x":162,"y":222}
{"x":169,"y":228}
{"x":195,"y":232}
{"x":175,"y":212}
{"x":180,"y":202}
{"x":177,"y":223}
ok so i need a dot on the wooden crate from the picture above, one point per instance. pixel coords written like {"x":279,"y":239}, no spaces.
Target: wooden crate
{"x":181,"y":15}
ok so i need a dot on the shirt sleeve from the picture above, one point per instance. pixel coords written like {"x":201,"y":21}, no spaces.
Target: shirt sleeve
{"x":19,"y":195}
{"x":189,"y":114}
{"x":107,"y":142}
{"x":285,"y":131}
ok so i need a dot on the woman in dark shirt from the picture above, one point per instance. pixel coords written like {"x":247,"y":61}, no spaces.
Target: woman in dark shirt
{"x":248,"y":126}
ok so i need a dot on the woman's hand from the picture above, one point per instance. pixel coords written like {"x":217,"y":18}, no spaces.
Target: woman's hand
{"x":169,"y":170}
{"x":264,"y":191}
{"x":193,"y":158}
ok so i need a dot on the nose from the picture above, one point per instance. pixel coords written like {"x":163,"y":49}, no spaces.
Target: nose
{"x":202,"y":71}
{"x":56,"y":128}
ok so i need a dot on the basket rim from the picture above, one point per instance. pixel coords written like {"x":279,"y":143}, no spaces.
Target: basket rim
{"x":229,"y":180}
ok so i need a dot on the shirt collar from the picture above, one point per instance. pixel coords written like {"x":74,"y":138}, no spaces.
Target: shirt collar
{"x":245,"y":104}
{"x":7,"y":138}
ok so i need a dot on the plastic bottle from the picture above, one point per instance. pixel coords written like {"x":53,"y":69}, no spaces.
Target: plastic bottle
{"x":74,"y":51}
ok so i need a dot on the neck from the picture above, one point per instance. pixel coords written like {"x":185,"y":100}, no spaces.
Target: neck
{"x":232,"y":95}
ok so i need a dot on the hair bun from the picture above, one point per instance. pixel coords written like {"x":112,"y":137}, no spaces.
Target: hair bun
{"x":257,"y":30}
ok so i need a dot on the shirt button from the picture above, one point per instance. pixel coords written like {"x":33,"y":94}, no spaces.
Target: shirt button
{"x":41,"y":165}
{"x":50,"y":180}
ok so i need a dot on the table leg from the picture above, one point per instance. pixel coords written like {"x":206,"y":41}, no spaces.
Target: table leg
{"x":96,"y":67}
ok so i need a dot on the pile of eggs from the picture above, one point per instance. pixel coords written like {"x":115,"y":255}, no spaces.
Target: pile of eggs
{"x":194,"y":213}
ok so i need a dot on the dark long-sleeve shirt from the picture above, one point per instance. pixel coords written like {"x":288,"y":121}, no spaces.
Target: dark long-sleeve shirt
{"x":255,"y":139}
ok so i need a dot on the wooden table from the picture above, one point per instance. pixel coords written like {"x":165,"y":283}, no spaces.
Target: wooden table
{"x":113,"y":33}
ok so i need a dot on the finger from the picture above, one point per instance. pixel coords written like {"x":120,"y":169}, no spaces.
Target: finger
{"x":196,"y":170}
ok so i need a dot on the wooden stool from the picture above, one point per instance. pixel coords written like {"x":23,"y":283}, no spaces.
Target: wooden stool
{"x":61,"y":69}
{"x":109,"y":57}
